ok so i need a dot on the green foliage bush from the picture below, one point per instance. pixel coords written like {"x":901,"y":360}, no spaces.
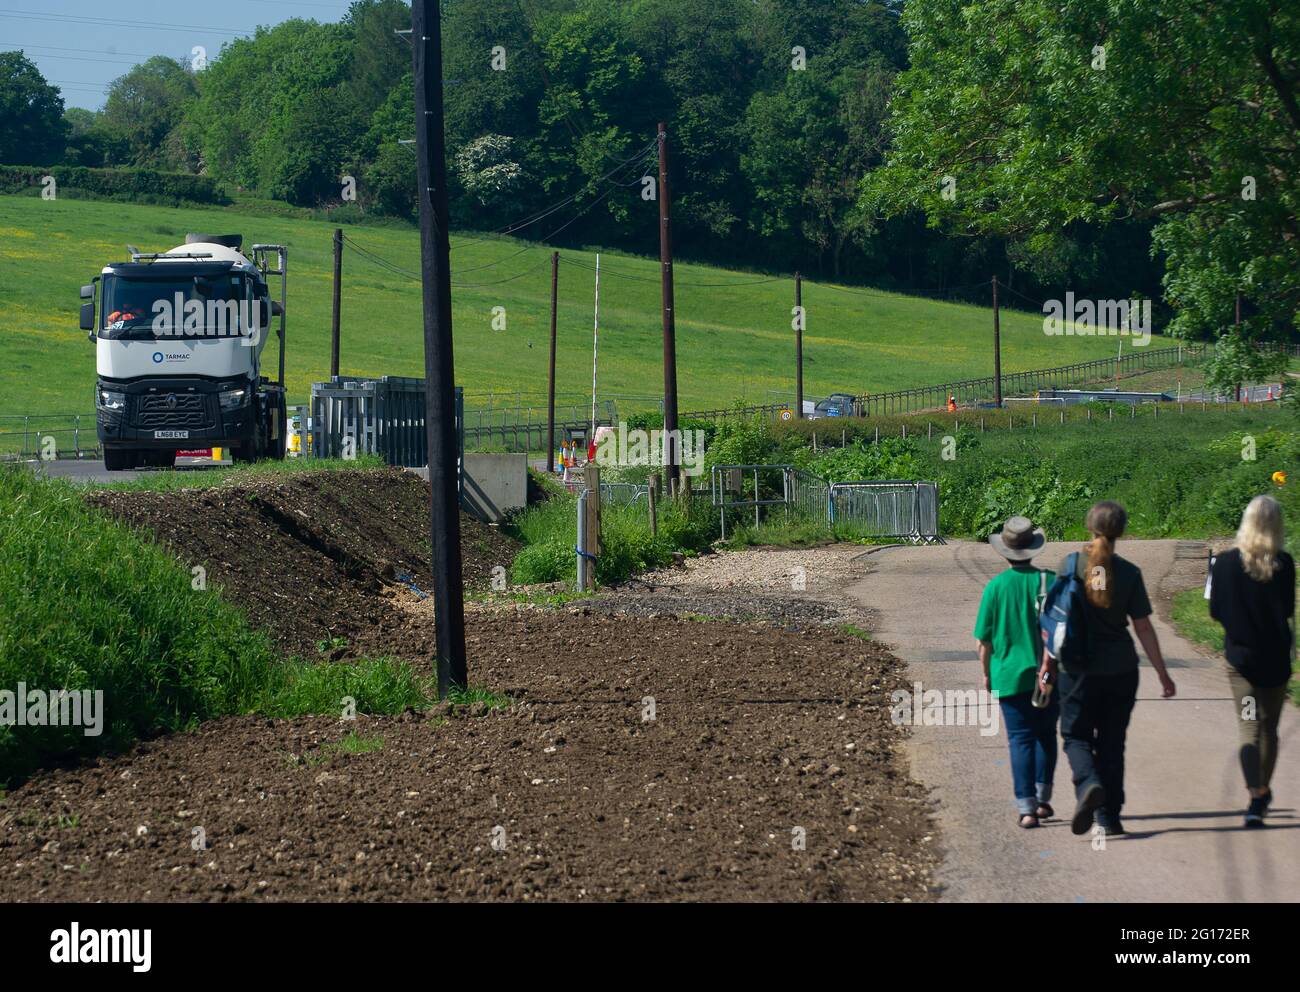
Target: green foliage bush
{"x":137,"y":185}
{"x":549,"y":531}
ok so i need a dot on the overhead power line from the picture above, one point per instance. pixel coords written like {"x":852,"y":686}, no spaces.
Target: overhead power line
{"x":30,"y":15}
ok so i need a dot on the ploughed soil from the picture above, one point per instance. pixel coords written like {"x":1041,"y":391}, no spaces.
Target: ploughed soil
{"x":308,"y":555}
{"x":645,"y":754}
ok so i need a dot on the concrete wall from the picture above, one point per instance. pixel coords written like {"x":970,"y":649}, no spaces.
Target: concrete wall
{"x":495,"y":484}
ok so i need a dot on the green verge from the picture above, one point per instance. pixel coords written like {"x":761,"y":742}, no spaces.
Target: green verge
{"x":202,"y":478}
{"x":88,"y":604}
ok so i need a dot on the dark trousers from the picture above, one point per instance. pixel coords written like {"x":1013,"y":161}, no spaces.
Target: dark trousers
{"x":1094,"y":722}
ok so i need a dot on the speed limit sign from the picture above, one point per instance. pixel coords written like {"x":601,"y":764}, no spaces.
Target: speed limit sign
{"x":787,"y":414}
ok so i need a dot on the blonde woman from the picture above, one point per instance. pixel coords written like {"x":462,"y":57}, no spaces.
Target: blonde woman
{"x":1097,"y":698}
{"x":1252,"y":594}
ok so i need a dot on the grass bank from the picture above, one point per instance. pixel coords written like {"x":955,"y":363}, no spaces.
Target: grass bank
{"x":88,"y":604}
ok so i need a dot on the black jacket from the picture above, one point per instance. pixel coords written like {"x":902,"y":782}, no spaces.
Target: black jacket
{"x":1254,"y":615}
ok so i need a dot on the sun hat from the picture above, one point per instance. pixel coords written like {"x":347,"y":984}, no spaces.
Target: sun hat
{"x":1019,"y":540}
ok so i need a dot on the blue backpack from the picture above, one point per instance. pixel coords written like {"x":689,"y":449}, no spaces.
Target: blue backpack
{"x":1062,"y":618}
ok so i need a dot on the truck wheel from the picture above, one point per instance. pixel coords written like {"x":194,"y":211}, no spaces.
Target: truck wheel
{"x":118,"y":459}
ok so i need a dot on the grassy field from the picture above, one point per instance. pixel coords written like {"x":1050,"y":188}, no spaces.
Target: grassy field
{"x":734,"y":340}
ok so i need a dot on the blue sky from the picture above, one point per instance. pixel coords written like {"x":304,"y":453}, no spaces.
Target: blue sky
{"x":82,"y":45}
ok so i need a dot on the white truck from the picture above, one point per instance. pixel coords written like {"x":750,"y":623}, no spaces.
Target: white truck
{"x":178,"y":340}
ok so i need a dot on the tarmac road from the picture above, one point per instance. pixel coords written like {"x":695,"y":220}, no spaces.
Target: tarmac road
{"x":1185,"y":795}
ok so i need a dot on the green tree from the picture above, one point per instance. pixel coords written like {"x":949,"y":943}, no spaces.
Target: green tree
{"x":142,"y":117}
{"x":275,"y":113}
{"x":86,"y":145}
{"x":32,"y":129}
{"x":810,"y":144}
{"x":1025,"y":118}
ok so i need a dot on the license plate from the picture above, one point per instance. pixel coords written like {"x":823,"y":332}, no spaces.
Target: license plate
{"x":170,"y":435}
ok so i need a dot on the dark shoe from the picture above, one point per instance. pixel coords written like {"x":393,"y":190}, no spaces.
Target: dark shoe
{"x":1255,"y":812}
{"x":1045,"y":811}
{"x":1094,"y":797}
{"x":1268,"y":800}
{"x":1028,"y":821}
{"x":1110,"y":824}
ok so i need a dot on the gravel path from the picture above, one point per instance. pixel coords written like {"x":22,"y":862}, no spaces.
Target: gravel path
{"x":795,"y":588}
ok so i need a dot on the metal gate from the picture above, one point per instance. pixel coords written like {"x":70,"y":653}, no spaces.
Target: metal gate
{"x":895,"y":509}
{"x":382,"y":416}
{"x":889,"y":509}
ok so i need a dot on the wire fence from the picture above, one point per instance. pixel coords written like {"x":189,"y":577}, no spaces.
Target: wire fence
{"x":982,"y":389}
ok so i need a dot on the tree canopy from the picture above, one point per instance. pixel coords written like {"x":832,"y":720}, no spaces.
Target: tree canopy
{"x":1032,"y":119}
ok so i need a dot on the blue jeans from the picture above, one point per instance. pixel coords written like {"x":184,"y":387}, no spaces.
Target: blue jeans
{"x":1031,"y":735}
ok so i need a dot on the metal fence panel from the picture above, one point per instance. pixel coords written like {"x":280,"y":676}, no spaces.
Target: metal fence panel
{"x":383,"y":416}
{"x":887,"y":509}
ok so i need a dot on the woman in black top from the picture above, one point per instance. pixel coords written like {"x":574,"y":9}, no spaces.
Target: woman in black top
{"x":1097,"y":701}
{"x":1252,"y":594}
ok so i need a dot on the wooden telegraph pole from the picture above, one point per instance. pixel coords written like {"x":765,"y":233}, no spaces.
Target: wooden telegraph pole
{"x":997,"y":349}
{"x":1237,"y":326}
{"x":798,"y":346}
{"x":671,"y":454}
{"x":338,"y":297}
{"x":439,"y":382}
{"x":550,"y":390}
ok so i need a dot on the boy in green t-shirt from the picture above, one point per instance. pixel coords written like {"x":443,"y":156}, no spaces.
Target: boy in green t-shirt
{"x":1010,"y":651}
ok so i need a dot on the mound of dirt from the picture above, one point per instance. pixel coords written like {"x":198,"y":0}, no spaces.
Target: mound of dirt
{"x":660,"y":760}
{"x":309,"y":556}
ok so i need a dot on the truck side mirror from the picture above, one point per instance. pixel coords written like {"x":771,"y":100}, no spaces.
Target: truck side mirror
{"x":88,"y":291}
{"x":276,"y":309}
{"x":88,"y":318}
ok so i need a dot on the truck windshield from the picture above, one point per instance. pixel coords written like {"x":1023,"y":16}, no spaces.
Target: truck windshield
{"x":169,"y":306}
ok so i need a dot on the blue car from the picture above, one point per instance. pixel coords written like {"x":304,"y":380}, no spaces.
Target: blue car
{"x":835,"y":405}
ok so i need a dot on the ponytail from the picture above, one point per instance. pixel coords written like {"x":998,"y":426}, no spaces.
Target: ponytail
{"x":1106,"y":522}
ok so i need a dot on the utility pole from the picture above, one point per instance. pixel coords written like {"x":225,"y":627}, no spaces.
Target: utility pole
{"x":1237,"y":326}
{"x":798,"y":346}
{"x":338,"y":294}
{"x":550,"y":391}
{"x":595,"y":354}
{"x":439,"y":381}
{"x":997,"y":349}
{"x":671,"y":454}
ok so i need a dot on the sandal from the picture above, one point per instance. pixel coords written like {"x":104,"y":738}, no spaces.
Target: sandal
{"x":1045,"y":811}
{"x":1028,"y":820}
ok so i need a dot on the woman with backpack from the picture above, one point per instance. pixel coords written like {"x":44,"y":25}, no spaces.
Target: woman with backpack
{"x":1098,"y":686}
{"x":1252,"y":594}
{"x":1010,"y":651}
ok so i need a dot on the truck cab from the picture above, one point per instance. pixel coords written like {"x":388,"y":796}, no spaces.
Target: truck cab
{"x":179,"y":339}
